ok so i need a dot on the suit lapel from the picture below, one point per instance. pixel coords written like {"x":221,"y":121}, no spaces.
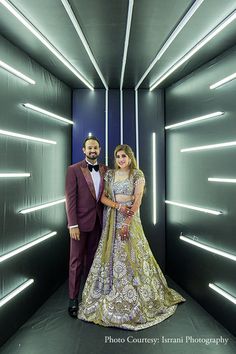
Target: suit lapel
{"x":88,"y":178}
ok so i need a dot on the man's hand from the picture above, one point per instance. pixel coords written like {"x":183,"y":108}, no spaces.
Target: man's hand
{"x":74,"y":233}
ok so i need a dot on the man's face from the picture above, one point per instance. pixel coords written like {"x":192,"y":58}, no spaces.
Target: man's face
{"x":91,"y":150}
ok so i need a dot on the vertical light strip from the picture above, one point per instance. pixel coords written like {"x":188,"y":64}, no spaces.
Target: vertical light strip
{"x":121,"y":117}
{"x":194,"y":49}
{"x":127,"y":33}
{"x":137,"y":127}
{"x":26,"y":246}
{"x":154,"y":178}
{"x":15,"y":292}
{"x":106,"y":128}
{"x":16,"y":73}
{"x":83,"y":39}
{"x":15,"y":12}
{"x":223,"y":293}
{"x":173,"y":35}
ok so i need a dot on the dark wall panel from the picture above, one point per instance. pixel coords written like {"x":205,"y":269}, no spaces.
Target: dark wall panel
{"x":187,"y":176}
{"x":129,"y":118}
{"x":114,"y":123}
{"x":46,"y":263}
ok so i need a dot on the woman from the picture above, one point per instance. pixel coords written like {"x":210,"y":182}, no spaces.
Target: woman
{"x":125,"y":287}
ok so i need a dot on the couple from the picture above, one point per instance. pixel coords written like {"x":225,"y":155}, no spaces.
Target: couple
{"x":125,"y":287}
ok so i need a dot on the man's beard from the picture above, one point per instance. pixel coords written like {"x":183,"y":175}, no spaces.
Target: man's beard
{"x":92,"y":157}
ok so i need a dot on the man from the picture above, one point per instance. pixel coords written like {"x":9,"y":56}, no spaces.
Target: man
{"x":84,"y":186}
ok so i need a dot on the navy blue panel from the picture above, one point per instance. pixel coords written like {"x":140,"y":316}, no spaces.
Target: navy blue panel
{"x":89,"y":116}
{"x":129,"y":118}
{"x":114,"y":123}
{"x":151,"y":119}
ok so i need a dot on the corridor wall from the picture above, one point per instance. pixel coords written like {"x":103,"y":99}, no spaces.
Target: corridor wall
{"x":89,"y":117}
{"x":187,"y":174}
{"x":45,"y":264}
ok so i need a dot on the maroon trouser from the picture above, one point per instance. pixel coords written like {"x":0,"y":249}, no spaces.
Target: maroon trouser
{"x":81,"y":257}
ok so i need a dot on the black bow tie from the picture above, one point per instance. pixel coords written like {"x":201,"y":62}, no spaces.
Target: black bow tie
{"x":91,"y":167}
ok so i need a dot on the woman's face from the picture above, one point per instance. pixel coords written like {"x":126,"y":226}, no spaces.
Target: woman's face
{"x":122,"y":159}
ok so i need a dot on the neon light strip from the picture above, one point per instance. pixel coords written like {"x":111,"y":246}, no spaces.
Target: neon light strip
{"x":208,"y":248}
{"x":195,"y":49}
{"x":194,"y":120}
{"x":50,"y":114}
{"x":106,"y":128}
{"x":121,"y":117}
{"x":204,"y":210}
{"x":15,"y":292}
{"x":83,"y":39}
{"x":170,"y":40}
{"x":226,"y":180}
{"x":16,"y":73}
{"x":223,"y":293}
{"x":25,"y":247}
{"x":136,"y":127}
{"x":42,"y":206}
{"x":223,"y":81}
{"x":14,"y":175}
{"x":127,"y":34}
{"x":206,"y":147}
{"x":14,"y":11}
{"x":154,"y":176}
{"x":27,"y":137}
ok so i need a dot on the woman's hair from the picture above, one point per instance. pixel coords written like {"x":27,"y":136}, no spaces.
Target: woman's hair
{"x":129,"y":152}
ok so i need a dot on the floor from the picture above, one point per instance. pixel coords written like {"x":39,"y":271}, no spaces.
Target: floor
{"x":191,"y":330}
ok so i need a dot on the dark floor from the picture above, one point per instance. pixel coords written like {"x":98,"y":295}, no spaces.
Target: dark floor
{"x":52,"y":331}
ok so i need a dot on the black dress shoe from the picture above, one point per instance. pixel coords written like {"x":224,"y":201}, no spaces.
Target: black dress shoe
{"x":73,"y":308}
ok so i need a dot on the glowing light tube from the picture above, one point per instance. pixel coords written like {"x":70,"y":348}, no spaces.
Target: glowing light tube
{"x":223,"y":81}
{"x":206,"y":147}
{"x":42,"y":206}
{"x":223,"y":293}
{"x":15,"y":12}
{"x":26,"y":246}
{"x":154,"y":177}
{"x":50,"y":114}
{"x":27,"y":137}
{"x":194,"y":120}
{"x":208,"y":248}
{"x":15,"y":292}
{"x":16,"y":73}
{"x":195,"y":49}
{"x":204,"y":210}
{"x":14,"y":175}
{"x":222,"y":180}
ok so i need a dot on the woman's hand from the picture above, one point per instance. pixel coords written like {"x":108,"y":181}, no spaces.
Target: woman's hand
{"x":126,"y":211}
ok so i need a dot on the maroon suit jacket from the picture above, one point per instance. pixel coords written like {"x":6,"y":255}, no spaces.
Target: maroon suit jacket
{"x":82,"y":207}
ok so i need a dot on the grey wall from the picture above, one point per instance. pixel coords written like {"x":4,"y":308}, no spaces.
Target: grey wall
{"x":46,"y":263}
{"x":89,"y":116}
{"x":187,"y":182}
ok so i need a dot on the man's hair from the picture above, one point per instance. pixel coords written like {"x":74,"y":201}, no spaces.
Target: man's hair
{"x":91,"y":138}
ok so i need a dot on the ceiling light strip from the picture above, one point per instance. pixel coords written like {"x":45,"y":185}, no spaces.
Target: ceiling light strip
{"x":83,"y":39}
{"x":195,"y":49}
{"x":137,"y":127}
{"x":106,"y":128}
{"x":222,"y":180}
{"x":15,"y":292}
{"x":14,"y":175}
{"x":223,"y":293}
{"x":26,"y":137}
{"x":204,"y":210}
{"x":154,"y":178}
{"x":208,"y":248}
{"x":50,"y":114}
{"x":170,"y":40}
{"x":14,"y":11}
{"x":223,"y":81}
{"x":127,"y":34}
{"x":206,"y":147}
{"x":194,"y":120}
{"x":42,"y":206}
{"x":26,"y":246}
{"x":16,"y":72}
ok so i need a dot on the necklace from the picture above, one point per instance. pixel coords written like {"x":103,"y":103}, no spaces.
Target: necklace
{"x":122,"y":173}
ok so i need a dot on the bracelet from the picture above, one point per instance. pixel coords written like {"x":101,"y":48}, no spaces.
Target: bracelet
{"x":126,"y":224}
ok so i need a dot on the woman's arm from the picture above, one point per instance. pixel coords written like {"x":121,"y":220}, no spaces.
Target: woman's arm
{"x":121,"y":208}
